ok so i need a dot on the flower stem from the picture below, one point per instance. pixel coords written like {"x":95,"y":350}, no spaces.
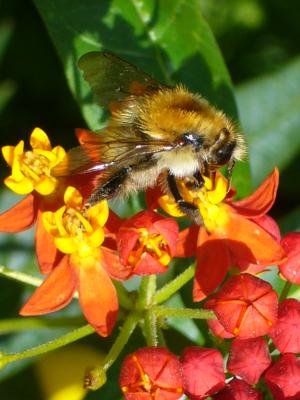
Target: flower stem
{"x":123,"y":296}
{"x":46,"y":347}
{"x":20,"y":276}
{"x":125,"y":333}
{"x":96,"y":377}
{"x":146,"y":292}
{"x":285,"y":291}
{"x":172,"y":287}
{"x":183,"y":313}
{"x":23,"y":324}
{"x":150,"y":328}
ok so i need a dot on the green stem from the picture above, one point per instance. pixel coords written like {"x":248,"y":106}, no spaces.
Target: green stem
{"x":96,"y":377}
{"x":285,"y":291}
{"x":172,"y":287}
{"x":123,"y":296}
{"x":49,"y":346}
{"x":150,"y":328}
{"x":125,"y":333}
{"x":146,"y":292}
{"x":20,"y":276}
{"x":183,"y":313}
{"x":23,"y":324}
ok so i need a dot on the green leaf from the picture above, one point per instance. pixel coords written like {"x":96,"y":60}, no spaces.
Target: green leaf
{"x":170,"y":40}
{"x":269,"y":109}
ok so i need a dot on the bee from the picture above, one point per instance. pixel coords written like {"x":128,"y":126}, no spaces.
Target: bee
{"x":153,"y":129}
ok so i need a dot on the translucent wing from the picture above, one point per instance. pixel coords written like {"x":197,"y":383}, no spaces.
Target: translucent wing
{"x":113,"y":79}
{"x":99,"y":155}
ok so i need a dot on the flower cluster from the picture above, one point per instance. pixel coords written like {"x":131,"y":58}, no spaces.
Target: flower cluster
{"x":86,"y":250}
{"x":156,"y":373}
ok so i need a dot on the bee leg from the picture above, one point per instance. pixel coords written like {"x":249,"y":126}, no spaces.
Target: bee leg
{"x":199,"y":180}
{"x":189,"y":209}
{"x":229,"y":174}
{"x":110,"y":188}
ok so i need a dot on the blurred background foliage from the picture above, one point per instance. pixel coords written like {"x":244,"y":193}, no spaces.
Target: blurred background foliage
{"x":40,"y":85}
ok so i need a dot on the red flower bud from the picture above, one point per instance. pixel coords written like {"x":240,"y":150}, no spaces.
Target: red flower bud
{"x":238,"y":390}
{"x":246,"y":306}
{"x":283,"y":378}
{"x":291,"y":268}
{"x":248,"y":359}
{"x":203,"y":372}
{"x":151,"y":373}
{"x":285,"y":333}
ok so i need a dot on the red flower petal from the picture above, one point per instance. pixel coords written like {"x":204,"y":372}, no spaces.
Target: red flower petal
{"x":248,"y":359}
{"x":126,"y":240}
{"x":152,"y":196}
{"x":291,"y":268}
{"x":213,"y":261}
{"x":113,"y":265}
{"x":149,"y":266}
{"x":238,"y":390}
{"x":46,"y":252}
{"x":21,"y":216}
{"x":187,"y":242}
{"x":97,"y":295}
{"x":203,"y":372}
{"x":285,"y":333}
{"x":270,"y":225}
{"x":218,"y":329}
{"x":246,"y":306}
{"x":261,"y":201}
{"x":168,"y":229}
{"x":54,"y":293}
{"x":151,"y":373}
{"x":251,"y":244}
{"x":283,"y":378}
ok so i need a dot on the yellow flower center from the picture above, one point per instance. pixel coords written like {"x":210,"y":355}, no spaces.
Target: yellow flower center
{"x":152,"y":243}
{"x":34,"y":165}
{"x":76,"y":229}
{"x":208,"y":199}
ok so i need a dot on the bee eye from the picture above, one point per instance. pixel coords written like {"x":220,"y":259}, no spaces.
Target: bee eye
{"x":224,"y":153}
{"x":192,"y":138}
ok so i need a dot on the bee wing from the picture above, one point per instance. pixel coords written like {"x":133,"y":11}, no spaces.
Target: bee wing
{"x":92,"y":156}
{"x":113,"y":79}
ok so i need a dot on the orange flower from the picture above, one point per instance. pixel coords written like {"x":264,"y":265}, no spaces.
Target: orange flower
{"x":86,"y":265}
{"x":229,"y":235}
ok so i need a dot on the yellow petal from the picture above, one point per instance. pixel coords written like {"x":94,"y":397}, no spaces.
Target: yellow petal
{"x":170,"y":206}
{"x":98,"y":214}
{"x":8,"y":153}
{"x":58,"y":215}
{"x":39,"y":140}
{"x":66,"y":245}
{"x":59,"y":153}
{"x":49,"y":222}
{"x":46,"y":185}
{"x":219,"y":193}
{"x":23,"y":186}
{"x":72,"y":198}
{"x":45,"y":153}
{"x":96,"y":238}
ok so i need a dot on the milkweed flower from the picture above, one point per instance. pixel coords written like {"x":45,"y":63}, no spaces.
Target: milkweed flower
{"x":86,"y":265}
{"x":147,"y":242}
{"x":285,"y":333}
{"x":248,"y":359}
{"x":229,"y":235}
{"x":151,"y":373}
{"x":203,"y":372}
{"x":246,"y":306}
{"x":31,"y":175}
{"x":238,"y":389}
{"x":283,"y":378}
